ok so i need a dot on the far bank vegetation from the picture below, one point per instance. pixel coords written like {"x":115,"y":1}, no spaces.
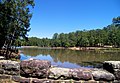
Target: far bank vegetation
{"x":108,"y":36}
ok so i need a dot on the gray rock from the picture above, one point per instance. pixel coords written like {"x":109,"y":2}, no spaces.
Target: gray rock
{"x":99,"y":74}
{"x":57,"y":72}
{"x":81,"y":74}
{"x":113,"y":67}
{"x":34,"y":68}
{"x":16,"y":78}
{"x":9,"y":67}
{"x":65,"y":73}
{"x":2,"y":58}
{"x":1,"y":71}
{"x":13,"y":65}
{"x":24,"y":80}
{"x":117,"y":74}
{"x":114,"y":64}
{"x":41,"y":81}
{"x":4,"y":77}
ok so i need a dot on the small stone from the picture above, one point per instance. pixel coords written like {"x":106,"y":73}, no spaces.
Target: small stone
{"x":5,"y":77}
{"x":24,"y":80}
{"x":117,"y":74}
{"x":92,"y":82}
{"x":16,"y":78}
{"x":2,"y":58}
{"x":1,"y":71}
{"x":41,"y":81}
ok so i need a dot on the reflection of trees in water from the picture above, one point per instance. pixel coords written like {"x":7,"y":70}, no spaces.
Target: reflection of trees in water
{"x":83,"y":56}
{"x":96,"y":64}
{"x":34,"y":51}
{"x":73,"y":56}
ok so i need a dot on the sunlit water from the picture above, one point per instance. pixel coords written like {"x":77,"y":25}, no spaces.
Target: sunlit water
{"x":70,"y":58}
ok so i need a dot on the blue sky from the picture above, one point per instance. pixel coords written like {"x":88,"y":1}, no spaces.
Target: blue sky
{"x":64,"y":16}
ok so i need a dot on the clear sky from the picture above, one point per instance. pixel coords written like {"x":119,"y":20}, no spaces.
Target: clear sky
{"x":64,"y":16}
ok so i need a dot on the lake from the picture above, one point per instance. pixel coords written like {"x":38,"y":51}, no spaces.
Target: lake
{"x":70,"y":58}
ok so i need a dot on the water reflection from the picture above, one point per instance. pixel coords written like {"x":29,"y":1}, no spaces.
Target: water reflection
{"x":70,"y":58}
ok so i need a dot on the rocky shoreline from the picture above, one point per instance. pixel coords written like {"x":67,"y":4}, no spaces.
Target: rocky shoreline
{"x":41,"y":71}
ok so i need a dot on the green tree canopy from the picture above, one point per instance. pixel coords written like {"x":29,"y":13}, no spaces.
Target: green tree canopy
{"x":109,"y":35}
{"x":15,"y":18}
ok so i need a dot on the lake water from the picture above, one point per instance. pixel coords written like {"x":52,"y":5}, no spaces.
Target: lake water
{"x":70,"y":58}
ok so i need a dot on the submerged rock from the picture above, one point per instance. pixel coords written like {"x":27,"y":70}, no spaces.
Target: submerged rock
{"x":34,"y":68}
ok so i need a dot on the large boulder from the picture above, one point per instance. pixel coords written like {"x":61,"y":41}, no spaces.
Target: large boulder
{"x":113,"y":67}
{"x":66,"y":73}
{"x":34,"y":68}
{"x":9,"y":67}
{"x":100,"y":74}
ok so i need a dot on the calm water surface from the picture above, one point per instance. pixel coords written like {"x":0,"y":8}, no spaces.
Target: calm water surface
{"x":70,"y":58}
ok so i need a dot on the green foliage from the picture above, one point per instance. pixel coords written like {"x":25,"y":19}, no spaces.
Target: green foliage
{"x":15,"y":18}
{"x":109,"y":35}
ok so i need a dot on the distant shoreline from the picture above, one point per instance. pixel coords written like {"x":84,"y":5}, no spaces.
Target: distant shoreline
{"x":73,"y":48}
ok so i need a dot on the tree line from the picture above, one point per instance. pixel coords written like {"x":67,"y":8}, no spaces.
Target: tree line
{"x":109,"y":35}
